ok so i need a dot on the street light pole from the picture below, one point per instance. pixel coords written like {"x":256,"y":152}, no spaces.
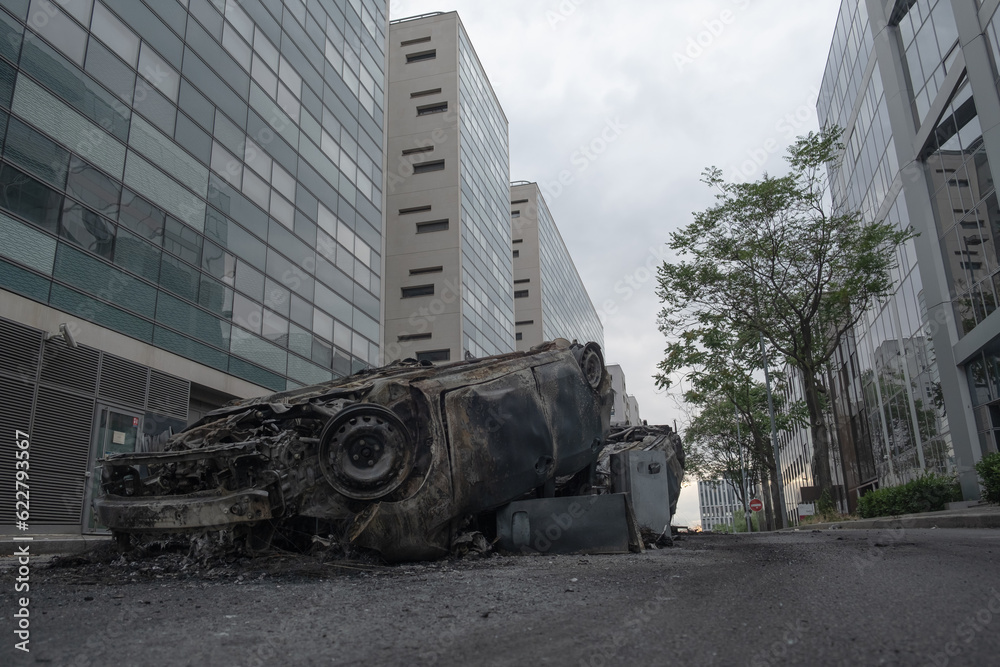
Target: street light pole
{"x":743,"y":470}
{"x":774,"y":435}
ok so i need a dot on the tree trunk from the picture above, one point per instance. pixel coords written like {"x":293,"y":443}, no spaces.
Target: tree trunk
{"x":780,"y":520}
{"x":822,"y":476}
{"x":766,"y":483}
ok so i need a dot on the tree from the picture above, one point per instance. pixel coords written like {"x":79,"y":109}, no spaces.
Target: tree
{"x":719,"y":365}
{"x":770,"y":258}
{"x":720,"y":449}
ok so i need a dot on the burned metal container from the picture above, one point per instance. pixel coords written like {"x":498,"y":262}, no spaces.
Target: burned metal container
{"x":394,"y":458}
{"x":619,"y":470}
{"x":595,"y":524}
{"x":644,"y":477}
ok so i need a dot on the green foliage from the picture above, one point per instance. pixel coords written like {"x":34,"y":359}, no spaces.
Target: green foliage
{"x":824,"y":505}
{"x":926,"y":494}
{"x":740,"y":521}
{"x":769,"y":259}
{"x":989,"y":472}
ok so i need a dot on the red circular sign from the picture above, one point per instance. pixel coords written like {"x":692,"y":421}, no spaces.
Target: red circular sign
{"x":756,"y":505}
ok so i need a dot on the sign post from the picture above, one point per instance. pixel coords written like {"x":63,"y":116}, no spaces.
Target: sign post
{"x":756,"y":505}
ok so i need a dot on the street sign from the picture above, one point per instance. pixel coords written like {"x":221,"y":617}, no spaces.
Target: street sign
{"x":756,"y":505}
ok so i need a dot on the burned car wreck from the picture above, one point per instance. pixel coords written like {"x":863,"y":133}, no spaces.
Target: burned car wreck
{"x":395,"y":460}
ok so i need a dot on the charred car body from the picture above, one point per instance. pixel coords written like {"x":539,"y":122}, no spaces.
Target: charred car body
{"x":396,"y":459}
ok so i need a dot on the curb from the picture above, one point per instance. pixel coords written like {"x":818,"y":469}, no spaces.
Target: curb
{"x":46,"y":546}
{"x":989,"y":520}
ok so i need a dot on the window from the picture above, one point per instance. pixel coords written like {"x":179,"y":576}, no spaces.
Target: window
{"x":518,"y":241}
{"x":520,"y":294}
{"x":424,"y":93}
{"x":523,"y":323}
{"x":434,"y":355}
{"x":424,"y":167}
{"x":24,"y":196}
{"x":86,"y":229}
{"x":417,"y":40}
{"x":517,"y":253}
{"x":518,"y":336}
{"x":515,"y":214}
{"x":427,"y":269}
{"x":432,"y":226}
{"x":522,"y":281}
{"x":410,"y":337}
{"x":418,"y":290}
{"x":428,"y":109}
{"x":520,"y":201}
{"x":421,"y":149}
{"x":421,"y":56}
{"x":414,"y":209}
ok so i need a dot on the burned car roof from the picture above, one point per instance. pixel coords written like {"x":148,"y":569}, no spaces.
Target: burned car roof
{"x":393,"y":459}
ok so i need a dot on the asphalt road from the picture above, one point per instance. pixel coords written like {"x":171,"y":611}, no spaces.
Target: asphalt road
{"x":842,"y":597}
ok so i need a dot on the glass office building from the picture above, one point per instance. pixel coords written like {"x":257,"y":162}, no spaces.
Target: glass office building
{"x":487,"y":273}
{"x":448,"y":289}
{"x":916,"y":387}
{"x":550,"y":299}
{"x":194,"y":188}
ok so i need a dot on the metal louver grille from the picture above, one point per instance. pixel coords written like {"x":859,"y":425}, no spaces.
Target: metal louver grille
{"x":19,"y":350}
{"x":15,"y":416}
{"x":168,"y":395}
{"x":123,"y":382}
{"x":60,"y":449}
{"x":63,"y":366}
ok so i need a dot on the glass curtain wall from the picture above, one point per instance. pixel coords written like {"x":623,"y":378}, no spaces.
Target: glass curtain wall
{"x":487,"y":269}
{"x":201,"y":175}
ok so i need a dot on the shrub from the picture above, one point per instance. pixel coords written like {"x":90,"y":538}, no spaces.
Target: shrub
{"x":926,"y":494}
{"x":989,"y":472}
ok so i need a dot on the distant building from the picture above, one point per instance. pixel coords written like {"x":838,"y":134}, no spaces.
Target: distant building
{"x":633,"y":410}
{"x":449,"y":273}
{"x":718,"y":503}
{"x":625,"y":409}
{"x":550,"y":300}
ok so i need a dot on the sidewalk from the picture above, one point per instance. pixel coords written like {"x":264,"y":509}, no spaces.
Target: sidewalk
{"x":979,"y":516}
{"x":40,"y":545}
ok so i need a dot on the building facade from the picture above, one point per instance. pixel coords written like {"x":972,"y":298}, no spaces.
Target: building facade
{"x":191,"y":211}
{"x":917,"y":386}
{"x":625,"y":409}
{"x":550,"y":300}
{"x":449,"y":276}
{"x":718,"y":503}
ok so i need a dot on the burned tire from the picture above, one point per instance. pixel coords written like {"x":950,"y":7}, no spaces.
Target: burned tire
{"x":592,"y":364}
{"x":366,"y":452}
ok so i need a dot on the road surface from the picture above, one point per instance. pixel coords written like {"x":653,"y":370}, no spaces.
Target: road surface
{"x":841,"y":597}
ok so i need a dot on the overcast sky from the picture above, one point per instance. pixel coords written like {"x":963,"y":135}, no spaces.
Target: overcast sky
{"x":627,"y":101}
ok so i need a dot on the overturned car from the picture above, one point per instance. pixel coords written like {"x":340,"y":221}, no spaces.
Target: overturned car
{"x":394,"y":460}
